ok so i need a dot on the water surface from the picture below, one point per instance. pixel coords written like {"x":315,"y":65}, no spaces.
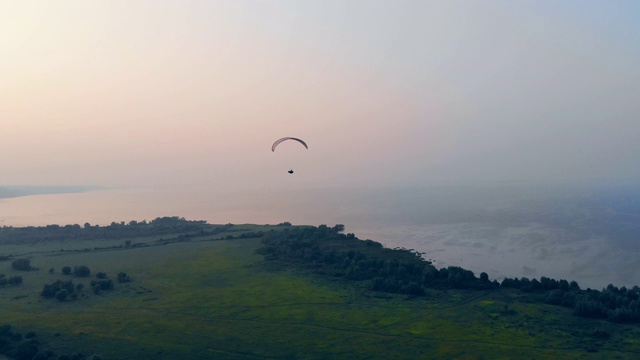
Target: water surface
{"x":590,"y":235}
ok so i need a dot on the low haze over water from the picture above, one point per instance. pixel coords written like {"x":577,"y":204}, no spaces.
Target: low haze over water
{"x":585,"y":234}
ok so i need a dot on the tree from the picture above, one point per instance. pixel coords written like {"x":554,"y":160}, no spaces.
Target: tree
{"x":66,"y":270}
{"x":102,"y":284}
{"x":574,"y":286}
{"x":82,"y":271}
{"x":484,"y":277}
{"x":22,"y":264}
{"x":123,"y":277}
{"x":51,"y":290}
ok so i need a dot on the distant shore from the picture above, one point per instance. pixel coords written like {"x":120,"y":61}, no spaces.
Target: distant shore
{"x":18,"y":191}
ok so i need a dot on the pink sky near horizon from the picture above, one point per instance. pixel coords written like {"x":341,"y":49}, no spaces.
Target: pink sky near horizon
{"x":193,"y":93}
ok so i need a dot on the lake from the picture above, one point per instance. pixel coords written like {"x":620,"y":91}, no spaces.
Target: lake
{"x":590,"y":235}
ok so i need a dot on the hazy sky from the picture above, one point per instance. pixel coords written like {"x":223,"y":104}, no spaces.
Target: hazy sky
{"x":136,"y":93}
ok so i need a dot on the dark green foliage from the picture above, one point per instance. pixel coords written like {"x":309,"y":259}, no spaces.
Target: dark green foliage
{"x":101,"y":275}
{"x":22,"y":265}
{"x":592,"y":309}
{"x":123,"y":277}
{"x":14,"y":346}
{"x":325,"y":250}
{"x":101,"y":284}
{"x":10,"y":281}
{"x":81,"y":271}
{"x":24,"y":351}
{"x":613,"y":304}
{"x":51,"y":290}
{"x":62,"y":295}
{"x":41,"y":356}
{"x":66,"y":270}
{"x":484,"y":277}
{"x":5,"y":330}
{"x":600,"y":334}
{"x":158,"y":226}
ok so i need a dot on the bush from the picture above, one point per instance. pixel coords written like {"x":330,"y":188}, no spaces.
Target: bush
{"x":22,"y":265}
{"x":66,"y":270}
{"x":51,"y":290}
{"x":10,"y":281}
{"x":62,"y":295}
{"x":102,"y":284}
{"x":123,"y":277}
{"x":81,"y":271}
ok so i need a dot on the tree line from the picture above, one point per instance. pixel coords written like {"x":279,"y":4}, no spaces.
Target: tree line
{"x":116,"y":230}
{"x":327,"y":251}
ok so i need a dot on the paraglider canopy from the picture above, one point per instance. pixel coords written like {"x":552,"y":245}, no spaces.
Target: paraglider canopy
{"x":275,"y":144}
{"x":273,"y":147}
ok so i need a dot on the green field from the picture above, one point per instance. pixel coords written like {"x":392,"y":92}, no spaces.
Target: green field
{"x":208,"y":298}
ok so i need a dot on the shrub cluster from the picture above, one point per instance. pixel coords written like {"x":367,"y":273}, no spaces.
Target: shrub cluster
{"x":101,"y":284}
{"x":61,"y":290}
{"x":22,"y":265}
{"x":78,"y":270}
{"x":16,"y":346}
{"x":10,"y":281}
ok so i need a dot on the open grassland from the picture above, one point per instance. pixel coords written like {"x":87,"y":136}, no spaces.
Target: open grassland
{"x":217,"y":299}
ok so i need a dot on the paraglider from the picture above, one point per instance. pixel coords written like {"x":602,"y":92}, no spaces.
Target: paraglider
{"x":275,"y":144}
{"x":273,"y":147}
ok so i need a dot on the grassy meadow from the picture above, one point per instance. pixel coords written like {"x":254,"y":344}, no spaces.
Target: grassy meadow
{"x":215,"y":298}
